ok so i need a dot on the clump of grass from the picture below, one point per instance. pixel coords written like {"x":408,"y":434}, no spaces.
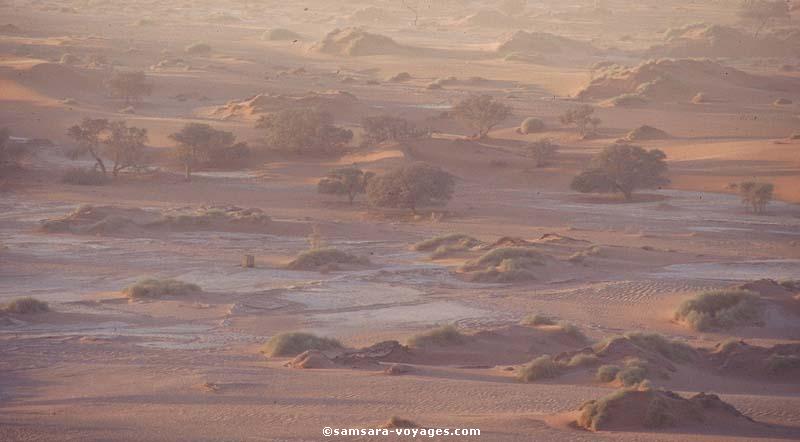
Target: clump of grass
{"x":543,"y":367}
{"x":26,"y":306}
{"x":633,"y":373}
{"x":443,"y":336}
{"x":505,"y":264}
{"x":324,"y":258}
{"x":497,"y":256}
{"x":607,"y":373}
{"x":452,"y":238}
{"x":571,"y":330}
{"x":84,"y":177}
{"x":594,"y":413}
{"x":720,"y":309}
{"x":583,"y":360}
{"x":292,"y":344}
{"x":669,"y":348}
{"x":155,"y":288}
{"x":537,"y":320}
{"x":398,"y":422}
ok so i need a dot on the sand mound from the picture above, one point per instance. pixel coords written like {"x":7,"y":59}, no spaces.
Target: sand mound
{"x":704,"y":40}
{"x":364,"y":358}
{"x":542,"y":43}
{"x":489,"y":18}
{"x":646,"y":133}
{"x":331,"y":101}
{"x":738,"y":358}
{"x":326,"y":260}
{"x":354,"y":42}
{"x":631,"y":410}
{"x":56,"y":78}
{"x":110,"y":220}
{"x":676,"y":80}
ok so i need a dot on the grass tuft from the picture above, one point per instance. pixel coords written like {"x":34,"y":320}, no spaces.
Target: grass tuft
{"x":443,"y":336}
{"x":156,"y":288}
{"x":26,"y":306}
{"x":720,"y":309}
{"x":294,"y":343}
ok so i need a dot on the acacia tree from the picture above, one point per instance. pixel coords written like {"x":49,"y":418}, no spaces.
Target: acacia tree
{"x":89,"y":137}
{"x":303,"y":131}
{"x":125,"y":146}
{"x":623,"y":168}
{"x":196,"y":141}
{"x":762,"y":11}
{"x":481,"y":112}
{"x":350,"y":181}
{"x":386,"y":128}
{"x":130,"y":86}
{"x":582,"y":117}
{"x":756,"y":195}
{"x":543,"y":151}
{"x":411,"y":186}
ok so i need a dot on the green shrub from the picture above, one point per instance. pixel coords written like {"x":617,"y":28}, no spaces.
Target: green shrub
{"x":443,"y":336}
{"x":27,"y":305}
{"x":542,"y":367}
{"x":720,"y":309}
{"x":156,"y":288}
{"x":292,"y":344}
{"x":321,"y":258}
{"x":84,"y":177}
{"x":607,"y":373}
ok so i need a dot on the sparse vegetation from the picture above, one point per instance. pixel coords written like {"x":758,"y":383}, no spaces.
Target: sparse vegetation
{"x":10,"y":153}
{"x":26,"y":306}
{"x":349,"y":181}
{"x":325,"y":259}
{"x":778,"y":364}
{"x":505,"y":264}
{"x":720,"y":309}
{"x":292,"y":344}
{"x":397,"y":422}
{"x":762,"y":12}
{"x":583,"y":360}
{"x":583,"y":118}
{"x":200,"y":143}
{"x":444,"y":336}
{"x":411,"y":186}
{"x":543,"y":367}
{"x":669,"y":348}
{"x":623,"y":168}
{"x":198,"y":48}
{"x":531,"y":125}
{"x":157,"y":288}
{"x":387,"y":128}
{"x":84,"y":177}
{"x":543,"y":151}
{"x":537,"y":320}
{"x":130,"y":86}
{"x":756,"y":195}
{"x":481,"y":113}
{"x":607,"y":373}
{"x":633,"y":373}
{"x":303,"y":131}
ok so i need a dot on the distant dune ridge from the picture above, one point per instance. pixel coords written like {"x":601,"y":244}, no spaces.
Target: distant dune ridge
{"x":706,"y":40}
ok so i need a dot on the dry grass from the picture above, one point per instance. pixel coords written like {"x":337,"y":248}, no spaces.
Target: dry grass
{"x":292,"y":344}
{"x":398,"y":422}
{"x":157,"y":288}
{"x":505,"y":264}
{"x":443,"y":336}
{"x":543,"y":367}
{"x":669,"y":348}
{"x":583,"y":360}
{"x":26,"y":306}
{"x":537,"y":320}
{"x":607,"y":373}
{"x":720,"y":309}
{"x":443,"y":245}
{"x":328,"y":258}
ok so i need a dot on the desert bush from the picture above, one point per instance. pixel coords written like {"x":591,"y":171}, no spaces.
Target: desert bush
{"x":444,"y":336}
{"x":280,"y":34}
{"x":582,"y":117}
{"x":481,"y":112}
{"x":349,"y":181}
{"x":623,"y":168}
{"x":497,"y":256}
{"x":386,"y":128}
{"x":669,"y":348}
{"x":84,"y":177}
{"x":720,"y":309}
{"x":129,"y":85}
{"x":583,"y":360}
{"x":294,"y":343}
{"x":24,"y":306}
{"x":155,"y":288}
{"x":325,"y":258}
{"x":543,"y":367}
{"x":537,"y":320}
{"x":543,"y":151}
{"x":199,"y":144}
{"x":69,"y":59}
{"x":756,"y":195}
{"x":571,"y":330}
{"x":443,"y":244}
{"x":303,"y":131}
{"x":197,"y":48}
{"x":411,"y":186}
{"x":607,"y":373}
{"x":633,"y":373}
{"x":531,"y":125}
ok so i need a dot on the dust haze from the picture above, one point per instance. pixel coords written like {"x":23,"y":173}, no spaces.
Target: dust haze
{"x":532,"y":219}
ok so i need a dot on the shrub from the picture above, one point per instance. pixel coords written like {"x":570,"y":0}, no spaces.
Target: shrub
{"x":349,"y":181}
{"x":280,"y":34}
{"x":292,"y":344}
{"x":756,"y":195}
{"x":303,"y":131}
{"x":607,"y":373}
{"x":411,"y":186}
{"x":543,"y":367}
{"x":454,"y":240}
{"x":497,"y":256}
{"x":582,"y":117}
{"x":84,"y":177}
{"x":537,"y":319}
{"x":531,"y":125}
{"x":720,"y":309}
{"x":197,"y":48}
{"x":400,"y":77}
{"x":623,"y":168}
{"x":326,"y":258}
{"x":130,"y":85}
{"x":571,"y":330}
{"x":386,"y":128}
{"x":633,"y":373}
{"x":543,"y":151}
{"x":10,"y":152}
{"x":583,"y":360}
{"x":443,"y":336}
{"x":156,"y":288}
{"x":782,"y":102}
{"x":25,"y":306}
{"x":669,"y":348}
{"x":481,"y":112}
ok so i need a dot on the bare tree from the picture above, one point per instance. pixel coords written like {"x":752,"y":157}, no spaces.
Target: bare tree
{"x":89,"y":137}
{"x":582,"y":117}
{"x":125,"y":146}
{"x":756,"y":195}
{"x":481,"y":112}
{"x":762,"y":11}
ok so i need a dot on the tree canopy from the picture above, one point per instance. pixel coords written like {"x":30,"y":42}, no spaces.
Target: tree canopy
{"x":481,"y":113}
{"x":623,"y":168}
{"x":411,"y":186}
